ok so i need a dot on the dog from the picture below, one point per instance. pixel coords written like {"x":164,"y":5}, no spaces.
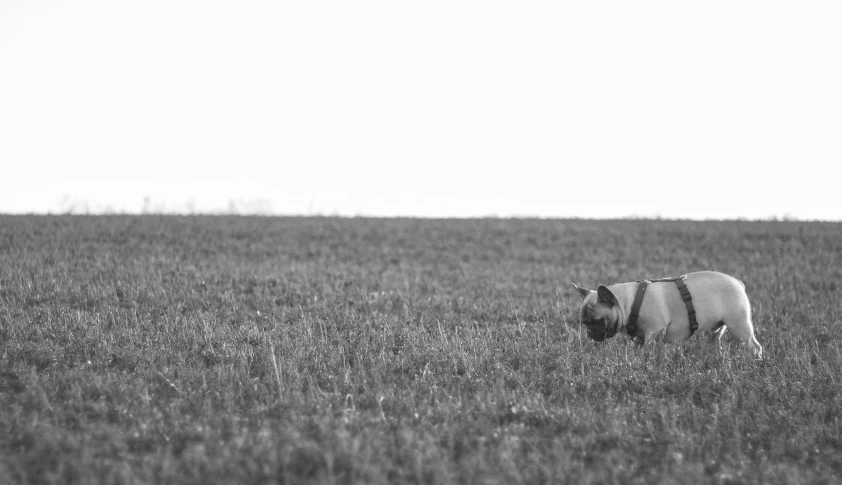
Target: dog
{"x":718,"y":300}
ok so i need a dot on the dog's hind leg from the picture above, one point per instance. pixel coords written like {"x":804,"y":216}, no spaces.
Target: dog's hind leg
{"x":715,"y":334}
{"x":740,"y":326}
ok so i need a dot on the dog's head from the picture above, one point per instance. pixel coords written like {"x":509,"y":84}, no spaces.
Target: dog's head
{"x":600,"y":312}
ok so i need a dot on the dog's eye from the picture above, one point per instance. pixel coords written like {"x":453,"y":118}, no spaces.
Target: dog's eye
{"x":591,"y":322}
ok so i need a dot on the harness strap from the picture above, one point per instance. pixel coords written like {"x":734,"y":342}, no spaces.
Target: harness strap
{"x":631,"y":327}
{"x":688,"y":301}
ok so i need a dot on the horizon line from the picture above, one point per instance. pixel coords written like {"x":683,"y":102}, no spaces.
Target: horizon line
{"x":314,"y":215}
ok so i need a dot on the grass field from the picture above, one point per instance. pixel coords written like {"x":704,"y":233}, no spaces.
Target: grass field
{"x":147,"y":349}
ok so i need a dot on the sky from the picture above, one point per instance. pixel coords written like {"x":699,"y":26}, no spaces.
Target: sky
{"x":700,"y":110}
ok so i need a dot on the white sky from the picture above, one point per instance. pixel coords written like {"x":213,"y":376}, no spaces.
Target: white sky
{"x":436,"y":108}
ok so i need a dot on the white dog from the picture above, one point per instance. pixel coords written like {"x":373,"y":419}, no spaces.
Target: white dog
{"x":706,"y":301}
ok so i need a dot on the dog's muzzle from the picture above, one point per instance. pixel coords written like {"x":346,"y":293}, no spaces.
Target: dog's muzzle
{"x":600,"y":331}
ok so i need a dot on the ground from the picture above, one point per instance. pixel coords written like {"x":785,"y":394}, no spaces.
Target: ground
{"x":153,"y":349}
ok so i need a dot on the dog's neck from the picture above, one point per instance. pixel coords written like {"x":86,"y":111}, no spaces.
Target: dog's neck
{"x":625,"y":298}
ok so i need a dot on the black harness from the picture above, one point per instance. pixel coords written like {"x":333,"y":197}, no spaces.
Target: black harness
{"x":631,"y":327}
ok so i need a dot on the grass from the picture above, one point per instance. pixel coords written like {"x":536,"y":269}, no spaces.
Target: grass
{"x":151,"y":349}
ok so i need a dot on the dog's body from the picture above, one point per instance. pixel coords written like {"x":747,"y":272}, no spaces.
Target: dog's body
{"x":720,"y":302}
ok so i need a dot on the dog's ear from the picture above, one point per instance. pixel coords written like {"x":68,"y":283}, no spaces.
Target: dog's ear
{"x":582,"y":291}
{"x":604,"y":295}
